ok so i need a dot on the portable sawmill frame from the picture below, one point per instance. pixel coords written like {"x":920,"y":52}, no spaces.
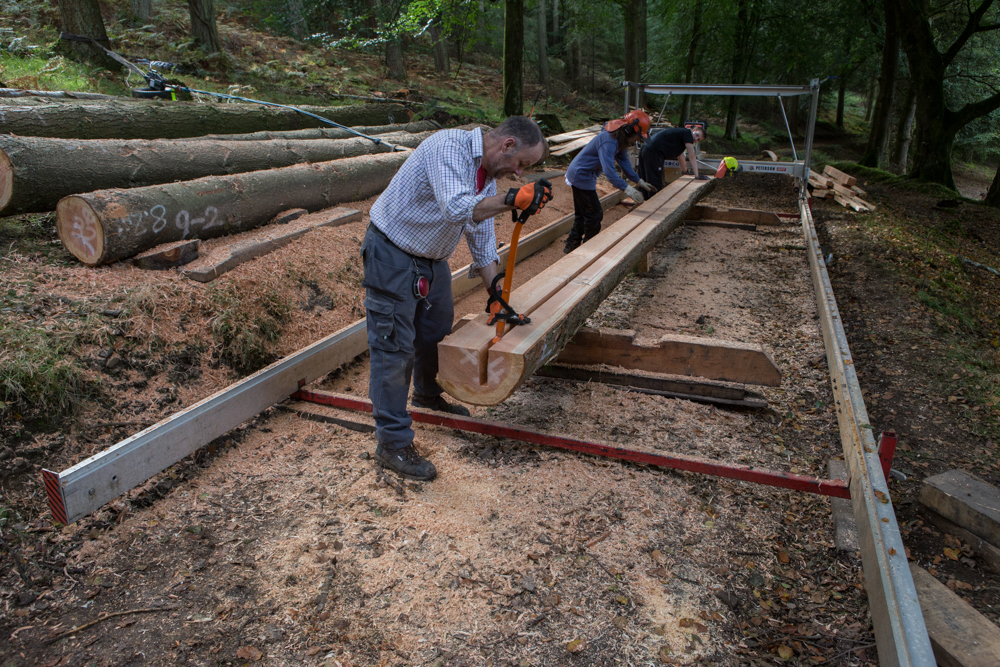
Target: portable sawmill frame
{"x":900,"y":633}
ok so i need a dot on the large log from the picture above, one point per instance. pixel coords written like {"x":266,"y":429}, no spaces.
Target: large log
{"x":52,"y":94}
{"x":109,"y":225}
{"x":174,"y":120}
{"x":39,"y":171}
{"x":558,"y":300}
{"x":330,"y":132}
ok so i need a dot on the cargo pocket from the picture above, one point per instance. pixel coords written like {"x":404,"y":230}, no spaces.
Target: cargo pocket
{"x":393,"y":281}
{"x":382,"y":328}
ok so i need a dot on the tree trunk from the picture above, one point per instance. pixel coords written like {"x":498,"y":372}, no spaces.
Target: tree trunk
{"x":641,"y":33}
{"x":740,"y":66}
{"x":43,"y":171}
{"x":841,"y":91}
{"x":297,"y":19}
{"x":692,"y":53}
{"x":543,"y":47}
{"x":556,"y":33}
{"x":879,"y":134}
{"x":513,"y":58}
{"x":142,"y":9}
{"x":870,"y":100}
{"x":328,"y":132}
{"x":203,"y":28}
{"x":574,"y":65}
{"x":172,"y":120}
{"x":904,"y":132}
{"x":993,"y":195}
{"x":441,"y":62}
{"x":83,"y":18}
{"x":630,"y":16}
{"x":109,"y":225}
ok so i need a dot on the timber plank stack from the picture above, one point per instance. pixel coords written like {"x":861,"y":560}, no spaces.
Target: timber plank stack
{"x":842,"y":188}
{"x":569,"y":142}
{"x":476,"y":370}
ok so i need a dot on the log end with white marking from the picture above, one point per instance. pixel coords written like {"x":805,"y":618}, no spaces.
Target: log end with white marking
{"x":80,"y":229}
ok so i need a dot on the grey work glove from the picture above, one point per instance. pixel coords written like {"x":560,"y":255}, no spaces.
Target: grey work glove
{"x":634,"y":194}
{"x":646,"y":186}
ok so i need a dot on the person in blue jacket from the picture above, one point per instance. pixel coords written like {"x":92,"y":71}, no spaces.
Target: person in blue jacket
{"x":608,"y":148}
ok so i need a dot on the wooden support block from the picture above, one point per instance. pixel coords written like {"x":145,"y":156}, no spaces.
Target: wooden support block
{"x":475,"y":370}
{"x":702,"y":212}
{"x":839,"y":176}
{"x":849,"y":202}
{"x":989,"y":554}
{"x":960,"y":635}
{"x":261,"y":242}
{"x":645,"y":264}
{"x":168,"y":255}
{"x":719,"y":223}
{"x":709,"y":358}
{"x":700,"y":392}
{"x":288,"y":216}
{"x":966,"y":501}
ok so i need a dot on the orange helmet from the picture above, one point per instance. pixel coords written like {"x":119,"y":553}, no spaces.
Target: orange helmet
{"x":637,"y":119}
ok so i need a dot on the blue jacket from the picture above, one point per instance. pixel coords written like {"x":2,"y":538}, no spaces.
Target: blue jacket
{"x":599,"y":155}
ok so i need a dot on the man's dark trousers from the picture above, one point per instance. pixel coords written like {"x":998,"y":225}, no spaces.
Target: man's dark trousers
{"x":403,"y":332}
{"x":589,"y":214}
{"x":650,"y":168}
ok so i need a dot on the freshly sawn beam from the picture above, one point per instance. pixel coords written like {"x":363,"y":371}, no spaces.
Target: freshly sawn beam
{"x":965,"y":500}
{"x":36,"y":172}
{"x":558,"y":300}
{"x":709,"y":358}
{"x":173,"y":120}
{"x":109,"y":225}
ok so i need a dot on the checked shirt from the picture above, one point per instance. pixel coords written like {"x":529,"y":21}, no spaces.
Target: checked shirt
{"x":427,"y":207}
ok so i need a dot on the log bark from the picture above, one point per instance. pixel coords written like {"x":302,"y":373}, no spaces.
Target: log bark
{"x":174,"y":120}
{"x":53,"y":94}
{"x":329,"y":132}
{"x":559,"y":300}
{"x":39,"y":171}
{"x":109,"y":225}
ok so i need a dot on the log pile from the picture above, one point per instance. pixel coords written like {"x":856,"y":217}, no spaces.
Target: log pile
{"x":841,"y":187}
{"x":38,"y":171}
{"x":475,"y":370}
{"x":568,"y":142}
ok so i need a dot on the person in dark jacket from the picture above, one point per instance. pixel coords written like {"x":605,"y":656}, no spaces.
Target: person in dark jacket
{"x":669,"y":144}
{"x":608,"y":148}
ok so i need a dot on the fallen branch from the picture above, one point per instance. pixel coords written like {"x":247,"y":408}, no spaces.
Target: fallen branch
{"x":980,"y":266}
{"x":73,"y":631}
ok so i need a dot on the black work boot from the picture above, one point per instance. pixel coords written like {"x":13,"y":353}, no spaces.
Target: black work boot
{"x":438,"y":403}
{"x":406,"y":462}
{"x":572,"y":243}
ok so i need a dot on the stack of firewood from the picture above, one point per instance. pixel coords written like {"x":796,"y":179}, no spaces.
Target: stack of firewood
{"x":842,"y":188}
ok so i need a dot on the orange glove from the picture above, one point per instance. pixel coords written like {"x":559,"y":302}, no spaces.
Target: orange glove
{"x":530,"y":198}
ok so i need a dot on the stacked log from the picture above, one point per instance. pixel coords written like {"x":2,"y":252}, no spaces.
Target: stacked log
{"x":841,"y":187}
{"x":331,"y":132}
{"x":173,"y":120}
{"x":36,"y":172}
{"x":109,"y":225}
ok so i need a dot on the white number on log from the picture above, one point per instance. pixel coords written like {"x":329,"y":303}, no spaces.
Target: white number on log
{"x":214,"y":213}
{"x":183,"y":221}
{"x":159,"y":212}
{"x":85,"y":232}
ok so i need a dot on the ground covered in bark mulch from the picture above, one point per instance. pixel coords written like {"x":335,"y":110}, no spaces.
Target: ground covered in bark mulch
{"x":281,"y":543}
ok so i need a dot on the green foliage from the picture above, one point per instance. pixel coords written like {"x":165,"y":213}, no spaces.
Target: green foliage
{"x":246,"y":326}
{"x":881,"y":176}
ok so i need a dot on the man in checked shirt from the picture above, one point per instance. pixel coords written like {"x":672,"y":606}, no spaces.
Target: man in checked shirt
{"x":445,"y":190}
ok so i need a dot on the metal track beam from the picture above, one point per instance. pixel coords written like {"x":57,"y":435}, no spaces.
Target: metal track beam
{"x":900,"y":633}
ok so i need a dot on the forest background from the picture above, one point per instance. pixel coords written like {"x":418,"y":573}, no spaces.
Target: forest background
{"x":925,"y":75}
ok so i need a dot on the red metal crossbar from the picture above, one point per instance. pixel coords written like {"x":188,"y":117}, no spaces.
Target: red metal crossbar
{"x":837,"y":488}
